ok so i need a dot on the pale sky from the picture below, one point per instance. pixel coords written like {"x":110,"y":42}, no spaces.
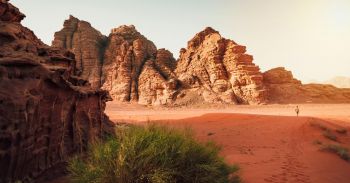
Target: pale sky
{"x":309,"y":37}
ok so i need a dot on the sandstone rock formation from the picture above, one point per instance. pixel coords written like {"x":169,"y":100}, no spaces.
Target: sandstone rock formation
{"x":134,"y":70}
{"x":47,"y":114}
{"x":88,"y":46}
{"x":220,"y":70}
{"x":211,"y":69}
{"x":282,"y":87}
{"x":126,"y":63}
{"x":9,"y":13}
{"x":157,"y":83}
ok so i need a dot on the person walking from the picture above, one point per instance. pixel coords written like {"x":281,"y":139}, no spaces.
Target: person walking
{"x":297,"y":110}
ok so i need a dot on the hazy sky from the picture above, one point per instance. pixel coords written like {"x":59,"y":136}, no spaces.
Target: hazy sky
{"x":309,"y":37}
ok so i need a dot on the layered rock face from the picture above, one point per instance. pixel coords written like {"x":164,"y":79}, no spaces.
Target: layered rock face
{"x":211,"y":69}
{"x":87,"y":44}
{"x":282,"y":87}
{"x":126,"y":63}
{"x":47,"y":114}
{"x":220,"y":70}
{"x":157,"y":83}
{"x":135,"y":71}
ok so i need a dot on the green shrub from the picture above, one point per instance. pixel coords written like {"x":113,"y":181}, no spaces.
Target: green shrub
{"x":330,"y":135}
{"x":339,"y":150}
{"x":152,"y":154}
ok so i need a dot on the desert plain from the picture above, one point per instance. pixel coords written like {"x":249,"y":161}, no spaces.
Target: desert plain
{"x":268,"y":142}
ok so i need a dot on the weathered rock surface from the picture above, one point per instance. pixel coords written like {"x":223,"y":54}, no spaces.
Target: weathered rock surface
{"x":135,"y":71}
{"x":125,"y":56}
{"x":87,"y":44}
{"x":47,"y":114}
{"x":211,"y":69}
{"x":220,"y":69}
{"x":9,"y":13}
{"x":283,"y":88}
{"x":125,"y":63}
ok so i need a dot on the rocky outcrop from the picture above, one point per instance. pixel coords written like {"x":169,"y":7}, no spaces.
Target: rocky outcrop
{"x":135,"y":71}
{"x":47,"y":114}
{"x":157,"y":82}
{"x":211,"y":69}
{"x":282,"y":87}
{"x":125,"y":63}
{"x":87,"y":44}
{"x":220,"y":70}
{"x":9,"y":13}
{"x":125,"y":57}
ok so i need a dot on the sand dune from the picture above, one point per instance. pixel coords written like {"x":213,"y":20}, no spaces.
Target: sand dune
{"x":270,"y":144}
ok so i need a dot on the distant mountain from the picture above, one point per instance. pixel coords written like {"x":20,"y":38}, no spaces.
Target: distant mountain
{"x":339,"y":81}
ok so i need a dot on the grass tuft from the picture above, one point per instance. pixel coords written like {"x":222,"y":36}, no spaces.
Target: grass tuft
{"x":152,"y":154}
{"x":327,"y":132}
{"x":342,"y":152}
{"x":329,"y":135}
{"x":341,"y":130}
{"x":320,"y":126}
{"x":317,"y":142}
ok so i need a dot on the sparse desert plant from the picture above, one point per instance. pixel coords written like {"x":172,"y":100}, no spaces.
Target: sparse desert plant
{"x":329,"y":135}
{"x":327,"y":132}
{"x":317,"y":142}
{"x":320,"y":126}
{"x":339,"y":150}
{"x":341,"y":130}
{"x":152,"y":154}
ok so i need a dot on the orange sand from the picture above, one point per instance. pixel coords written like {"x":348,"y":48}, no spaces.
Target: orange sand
{"x":268,"y":142}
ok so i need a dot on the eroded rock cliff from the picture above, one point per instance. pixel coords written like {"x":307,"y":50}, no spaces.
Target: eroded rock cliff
{"x":134,"y":70}
{"x":126,"y":63}
{"x":87,"y":44}
{"x":211,"y":69}
{"x":220,"y":70}
{"x":282,"y":87}
{"x":47,"y":114}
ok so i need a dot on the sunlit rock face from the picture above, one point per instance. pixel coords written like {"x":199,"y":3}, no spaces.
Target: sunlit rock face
{"x":125,"y":63}
{"x":282,"y":87}
{"x":211,"y":69}
{"x":220,"y":70}
{"x":135,"y":71}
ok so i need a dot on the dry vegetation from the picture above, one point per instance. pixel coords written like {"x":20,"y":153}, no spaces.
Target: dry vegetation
{"x":152,"y":154}
{"x":341,"y":151}
{"x":338,"y":149}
